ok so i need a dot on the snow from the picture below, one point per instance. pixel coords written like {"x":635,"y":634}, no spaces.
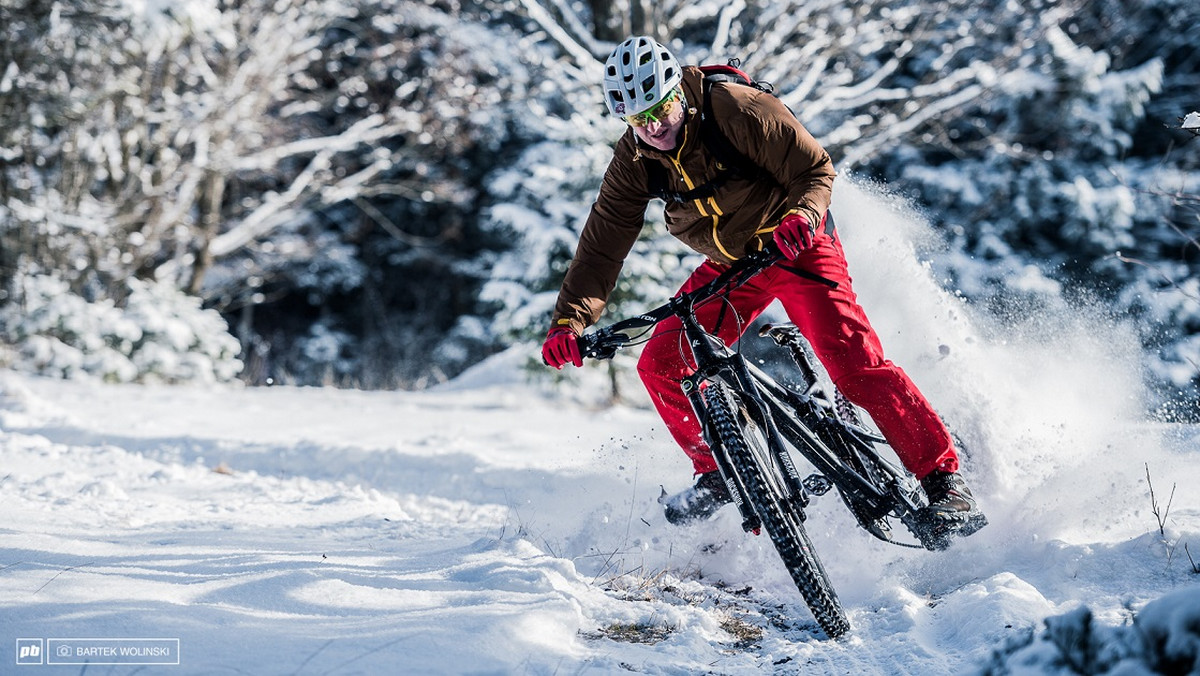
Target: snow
{"x":496,"y":525}
{"x":1191,"y":122}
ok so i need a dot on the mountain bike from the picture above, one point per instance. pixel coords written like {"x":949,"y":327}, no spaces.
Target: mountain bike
{"x":754,"y":424}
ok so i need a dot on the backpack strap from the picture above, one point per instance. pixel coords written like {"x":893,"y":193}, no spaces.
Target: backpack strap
{"x":731,"y":162}
{"x":716,"y":141}
{"x":656,"y":180}
{"x":657,"y":185}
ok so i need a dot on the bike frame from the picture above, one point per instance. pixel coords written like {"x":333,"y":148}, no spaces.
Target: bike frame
{"x":804,"y":425}
{"x":790,"y":420}
{"x":772,"y":406}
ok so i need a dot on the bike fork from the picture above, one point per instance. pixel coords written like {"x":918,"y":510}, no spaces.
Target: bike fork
{"x":733,"y":483}
{"x":761,"y":415}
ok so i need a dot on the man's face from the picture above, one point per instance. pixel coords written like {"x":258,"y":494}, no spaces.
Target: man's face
{"x":659,"y":127}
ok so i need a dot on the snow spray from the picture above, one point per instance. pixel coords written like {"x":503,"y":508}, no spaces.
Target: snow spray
{"x":1043,"y":399}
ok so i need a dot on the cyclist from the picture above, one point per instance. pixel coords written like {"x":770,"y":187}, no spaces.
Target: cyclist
{"x":788,"y":204}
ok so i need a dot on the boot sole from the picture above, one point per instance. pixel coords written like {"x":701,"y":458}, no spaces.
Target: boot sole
{"x":973,"y":524}
{"x":939,"y":534}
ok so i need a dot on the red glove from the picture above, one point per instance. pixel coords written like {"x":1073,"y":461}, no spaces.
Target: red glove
{"x":561,"y":347}
{"x":793,"y":235}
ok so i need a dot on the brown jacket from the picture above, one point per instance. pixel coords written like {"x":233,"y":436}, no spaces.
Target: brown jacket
{"x":722,"y":227}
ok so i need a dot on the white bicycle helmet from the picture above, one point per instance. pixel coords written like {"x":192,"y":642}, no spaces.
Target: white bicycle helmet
{"x":639,"y":74}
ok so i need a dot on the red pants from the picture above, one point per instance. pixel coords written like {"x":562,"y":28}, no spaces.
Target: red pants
{"x":841,"y":337}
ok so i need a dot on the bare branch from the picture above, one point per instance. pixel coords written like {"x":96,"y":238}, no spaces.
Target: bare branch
{"x":585,"y":59}
{"x":859,"y":154}
{"x":721,"y":39}
{"x":367,"y":130}
{"x":1160,"y":515}
{"x":1136,"y":261}
{"x":581,"y":33}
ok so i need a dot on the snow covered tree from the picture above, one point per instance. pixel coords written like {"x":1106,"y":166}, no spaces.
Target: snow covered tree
{"x":455,"y":90}
{"x":123,"y":133}
{"x":48,"y":54}
{"x":291,"y":157}
{"x":1071,"y":169}
{"x":69,"y":168}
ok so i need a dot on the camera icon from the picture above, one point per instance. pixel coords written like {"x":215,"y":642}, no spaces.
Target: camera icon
{"x":63,"y":651}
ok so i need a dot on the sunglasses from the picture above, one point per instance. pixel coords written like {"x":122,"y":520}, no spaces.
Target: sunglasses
{"x":662,"y":110}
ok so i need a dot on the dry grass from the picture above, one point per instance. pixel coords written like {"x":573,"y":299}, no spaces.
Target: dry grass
{"x":633,"y":632}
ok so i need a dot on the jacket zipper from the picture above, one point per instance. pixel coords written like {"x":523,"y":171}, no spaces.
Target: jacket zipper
{"x":716,"y":210}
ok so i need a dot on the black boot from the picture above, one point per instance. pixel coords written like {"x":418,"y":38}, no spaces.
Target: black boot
{"x":698,"y":502}
{"x":951,"y":511}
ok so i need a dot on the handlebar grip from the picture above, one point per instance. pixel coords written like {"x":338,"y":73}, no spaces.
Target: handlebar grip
{"x":585,"y":344}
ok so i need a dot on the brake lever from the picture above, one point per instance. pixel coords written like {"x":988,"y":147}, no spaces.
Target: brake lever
{"x":602,"y":344}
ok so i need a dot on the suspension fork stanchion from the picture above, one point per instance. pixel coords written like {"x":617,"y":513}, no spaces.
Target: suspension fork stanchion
{"x":737,"y":491}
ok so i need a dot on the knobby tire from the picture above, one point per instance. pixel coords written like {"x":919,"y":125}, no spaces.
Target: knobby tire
{"x":734,"y":431}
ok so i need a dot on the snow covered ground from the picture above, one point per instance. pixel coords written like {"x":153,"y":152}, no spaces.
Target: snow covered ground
{"x":489,"y":527}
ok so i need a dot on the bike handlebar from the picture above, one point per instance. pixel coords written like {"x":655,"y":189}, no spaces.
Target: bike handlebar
{"x":604,"y":343}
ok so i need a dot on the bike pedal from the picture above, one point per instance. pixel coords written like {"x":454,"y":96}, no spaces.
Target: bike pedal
{"x":817,"y":484}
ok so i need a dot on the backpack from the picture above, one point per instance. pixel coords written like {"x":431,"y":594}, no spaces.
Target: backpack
{"x":731,"y":162}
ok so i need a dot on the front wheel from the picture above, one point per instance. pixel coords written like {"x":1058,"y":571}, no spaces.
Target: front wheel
{"x":745,"y":443}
